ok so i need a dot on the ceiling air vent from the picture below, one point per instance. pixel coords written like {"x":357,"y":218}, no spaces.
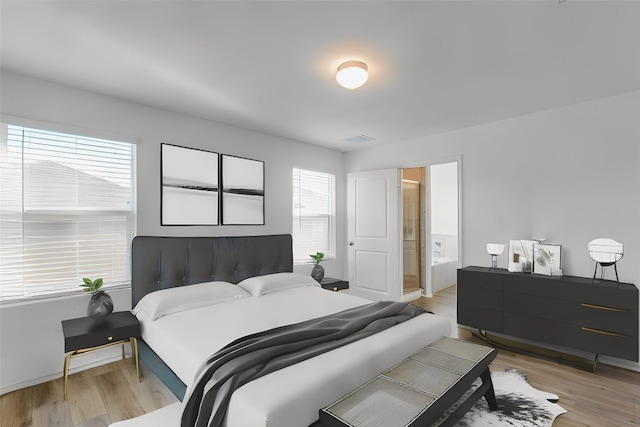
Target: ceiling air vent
{"x":360,"y":139}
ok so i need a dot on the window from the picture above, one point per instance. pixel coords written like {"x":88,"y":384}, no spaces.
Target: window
{"x":314,"y":214}
{"x":66,"y":211}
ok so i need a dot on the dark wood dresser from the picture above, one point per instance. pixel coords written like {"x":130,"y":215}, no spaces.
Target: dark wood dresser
{"x":595,"y":316}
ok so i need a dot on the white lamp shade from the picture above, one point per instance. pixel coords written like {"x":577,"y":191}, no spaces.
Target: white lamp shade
{"x":495,"y":248}
{"x":605,"y":250}
{"x":352,"y":74}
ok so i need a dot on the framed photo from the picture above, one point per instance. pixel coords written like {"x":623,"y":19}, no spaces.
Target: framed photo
{"x":520,"y":256}
{"x":242,"y":191}
{"x":189,"y":193}
{"x":547,"y":259}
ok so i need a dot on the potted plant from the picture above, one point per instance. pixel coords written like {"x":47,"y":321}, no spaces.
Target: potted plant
{"x":100,"y":305}
{"x":318,"y":271}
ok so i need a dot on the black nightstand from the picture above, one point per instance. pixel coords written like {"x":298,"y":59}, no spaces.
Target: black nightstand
{"x":334,"y":284}
{"x":82,"y":336}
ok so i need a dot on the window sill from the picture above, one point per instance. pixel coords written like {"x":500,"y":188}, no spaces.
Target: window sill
{"x":56,"y":296}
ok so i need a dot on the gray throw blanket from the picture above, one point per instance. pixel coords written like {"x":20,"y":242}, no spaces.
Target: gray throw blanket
{"x":256,"y":355}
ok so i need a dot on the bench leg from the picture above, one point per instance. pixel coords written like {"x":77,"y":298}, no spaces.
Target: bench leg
{"x":490,"y":396}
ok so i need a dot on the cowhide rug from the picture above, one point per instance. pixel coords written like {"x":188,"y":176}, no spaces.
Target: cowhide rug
{"x":520,"y":404}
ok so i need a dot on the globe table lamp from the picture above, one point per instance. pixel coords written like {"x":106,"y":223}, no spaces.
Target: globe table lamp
{"x":605,"y":252}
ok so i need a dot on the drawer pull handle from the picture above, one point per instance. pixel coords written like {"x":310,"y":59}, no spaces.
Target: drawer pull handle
{"x":596,"y":331}
{"x":601,"y":307}
{"x":109,"y":338}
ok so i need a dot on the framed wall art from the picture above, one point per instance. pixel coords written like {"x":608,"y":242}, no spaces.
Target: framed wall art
{"x":242,"y":191}
{"x":547,"y":259}
{"x":189,"y":193}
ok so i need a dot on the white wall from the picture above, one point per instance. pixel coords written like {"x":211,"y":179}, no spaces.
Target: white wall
{"x":569,"y":175}
{"x":31,"y":343}
{"x":443,"y":187}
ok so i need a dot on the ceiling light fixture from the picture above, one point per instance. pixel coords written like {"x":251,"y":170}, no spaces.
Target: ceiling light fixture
{"x":352,"y":74}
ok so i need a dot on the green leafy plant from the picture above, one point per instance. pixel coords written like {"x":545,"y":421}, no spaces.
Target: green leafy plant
{"x":317,"y":258}
{"x":91,"y":285}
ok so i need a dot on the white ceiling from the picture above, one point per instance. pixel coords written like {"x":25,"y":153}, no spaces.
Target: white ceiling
{"x":270,"y":66}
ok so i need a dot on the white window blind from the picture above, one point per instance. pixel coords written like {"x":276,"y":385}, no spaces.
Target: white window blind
{"x":66,"y":211}
{"x":314,"y":214}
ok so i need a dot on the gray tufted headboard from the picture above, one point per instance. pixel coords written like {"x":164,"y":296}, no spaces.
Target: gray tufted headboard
{"x":167,"y":262}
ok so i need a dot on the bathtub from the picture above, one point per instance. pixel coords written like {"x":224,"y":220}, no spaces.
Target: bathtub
{"x":443,"y":273}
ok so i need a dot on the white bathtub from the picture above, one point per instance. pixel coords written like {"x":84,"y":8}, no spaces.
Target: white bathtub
{"x":443,"y":273}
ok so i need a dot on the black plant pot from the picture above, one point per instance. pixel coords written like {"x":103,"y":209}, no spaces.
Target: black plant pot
{"x":317,"y":273}
{"x":100,"y":306}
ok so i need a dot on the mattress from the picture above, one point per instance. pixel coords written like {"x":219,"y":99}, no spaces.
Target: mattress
{"x":290,"y":397}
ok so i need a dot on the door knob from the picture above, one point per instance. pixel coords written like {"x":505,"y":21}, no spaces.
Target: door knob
{"x":350,"y":243}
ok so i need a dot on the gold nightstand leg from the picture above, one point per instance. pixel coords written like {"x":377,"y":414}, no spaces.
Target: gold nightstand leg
{"x":123,"y":351}
{"x":66,"y":373}
{"x":134,"y":349}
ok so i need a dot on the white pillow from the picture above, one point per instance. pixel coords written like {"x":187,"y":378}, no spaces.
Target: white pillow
{"x":173,"y":300}
{"x":262,"y":285}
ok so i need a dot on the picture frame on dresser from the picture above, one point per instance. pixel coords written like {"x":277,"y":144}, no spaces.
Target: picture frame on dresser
{"x":520,"y":256}
{"x":547,"y":259}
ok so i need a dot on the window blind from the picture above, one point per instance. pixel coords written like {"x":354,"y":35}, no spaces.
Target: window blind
{"x":314,"y":216}
{"x":66,"y":211}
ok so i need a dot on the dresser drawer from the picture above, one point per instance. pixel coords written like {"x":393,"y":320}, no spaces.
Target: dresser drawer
{"x":480,"y":318}
{"x":481,"y":278}
{"x":569,"y":288}
{"x":613,"y":319}
{"x":480,"y":307}
{"x":583,"y":338}
{"x":622,"y":321}
{"x":610,"y":344}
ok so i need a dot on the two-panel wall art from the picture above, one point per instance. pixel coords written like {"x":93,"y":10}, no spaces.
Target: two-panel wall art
{"x":205,"y":188}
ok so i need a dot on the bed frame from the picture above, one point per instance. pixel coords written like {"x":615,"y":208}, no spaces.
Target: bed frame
{"x":168,"y":262}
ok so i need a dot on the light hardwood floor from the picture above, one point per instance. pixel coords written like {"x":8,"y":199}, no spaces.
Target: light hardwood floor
{"x":96,"y":397}
{"x":110,"y":393}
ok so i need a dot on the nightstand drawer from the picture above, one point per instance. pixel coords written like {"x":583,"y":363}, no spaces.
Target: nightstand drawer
{"x":334,"y":284}
{"x":81,"y":333}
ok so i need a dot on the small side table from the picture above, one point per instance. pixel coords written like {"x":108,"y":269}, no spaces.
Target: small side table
{"x":82,"y":336}
{"x":334,"y":284}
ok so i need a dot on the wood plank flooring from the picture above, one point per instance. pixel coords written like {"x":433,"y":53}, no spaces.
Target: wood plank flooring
{"x":97,"y":397}
{"x":110,"y":393}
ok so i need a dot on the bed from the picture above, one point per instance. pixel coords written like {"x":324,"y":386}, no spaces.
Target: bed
{"x":256,"y":290}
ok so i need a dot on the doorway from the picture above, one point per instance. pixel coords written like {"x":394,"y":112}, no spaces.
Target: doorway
{"x":444,"y":226}
{"x":413,"y":190}
{"x":391,"y":245}
{"x":430,"y":227}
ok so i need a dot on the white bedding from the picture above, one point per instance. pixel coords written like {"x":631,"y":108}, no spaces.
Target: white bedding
{"x":291,"y":396}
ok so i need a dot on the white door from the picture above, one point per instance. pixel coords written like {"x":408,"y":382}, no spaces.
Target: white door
{"x":373,"y":225}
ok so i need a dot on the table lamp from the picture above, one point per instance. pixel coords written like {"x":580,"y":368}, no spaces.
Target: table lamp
{"x":605,"y":252}
{"x":494,"y":250}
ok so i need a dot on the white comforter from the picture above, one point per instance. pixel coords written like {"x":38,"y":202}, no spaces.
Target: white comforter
{"x":291,"y":396}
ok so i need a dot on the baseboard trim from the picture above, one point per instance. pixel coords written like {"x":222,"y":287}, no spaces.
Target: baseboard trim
{"x":411,"y":296}
{"x":58,"y":374}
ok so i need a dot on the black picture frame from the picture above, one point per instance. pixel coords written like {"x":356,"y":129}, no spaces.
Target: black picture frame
{"x":190,"y":180}
{"x":242,"y":183}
